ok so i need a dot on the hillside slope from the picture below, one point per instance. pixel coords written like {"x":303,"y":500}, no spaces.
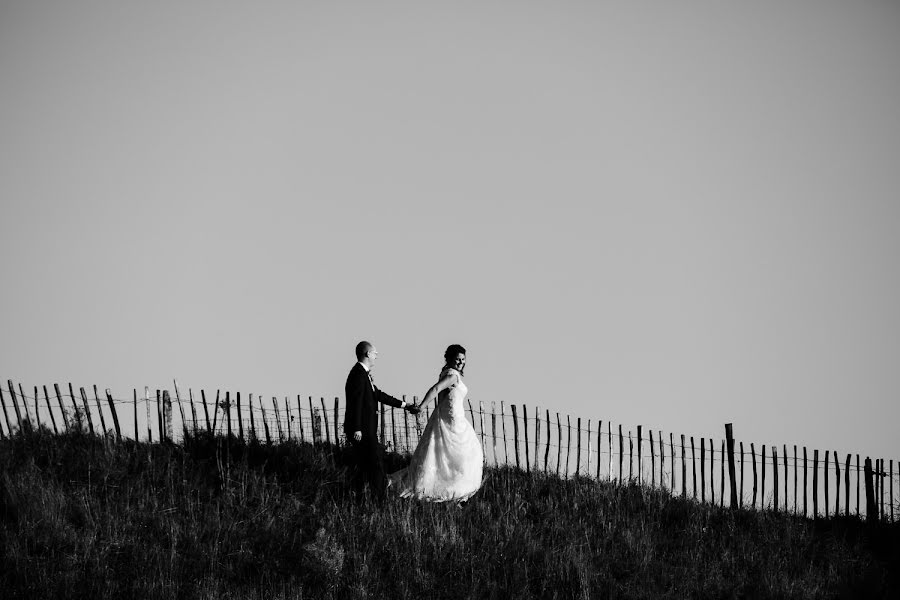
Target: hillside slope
{"x":80,"y":518}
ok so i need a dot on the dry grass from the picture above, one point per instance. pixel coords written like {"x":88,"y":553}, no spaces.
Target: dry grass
{"x":80,"y":518}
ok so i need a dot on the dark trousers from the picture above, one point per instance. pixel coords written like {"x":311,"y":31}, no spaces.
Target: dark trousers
{"x":367,"y":460}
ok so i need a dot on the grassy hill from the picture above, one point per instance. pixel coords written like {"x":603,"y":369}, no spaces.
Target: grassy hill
{"x":85,"y":518}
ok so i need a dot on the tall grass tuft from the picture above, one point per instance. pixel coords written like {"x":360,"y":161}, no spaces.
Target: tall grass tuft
{"x":85,"y":517}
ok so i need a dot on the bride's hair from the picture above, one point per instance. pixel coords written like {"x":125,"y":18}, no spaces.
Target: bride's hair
{"x":453,"y":350}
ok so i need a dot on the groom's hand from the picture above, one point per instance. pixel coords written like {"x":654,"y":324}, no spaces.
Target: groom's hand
{"x":357,"y":435}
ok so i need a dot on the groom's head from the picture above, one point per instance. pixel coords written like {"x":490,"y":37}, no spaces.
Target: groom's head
{"x":366,"y":353}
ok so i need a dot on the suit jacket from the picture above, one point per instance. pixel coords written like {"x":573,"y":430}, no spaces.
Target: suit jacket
{"x":361,"y":413}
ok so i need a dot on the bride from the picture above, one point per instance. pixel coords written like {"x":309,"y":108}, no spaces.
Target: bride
{"x":447,"y":463}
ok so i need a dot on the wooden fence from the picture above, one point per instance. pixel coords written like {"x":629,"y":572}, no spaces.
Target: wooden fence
{"x":800,"y":482}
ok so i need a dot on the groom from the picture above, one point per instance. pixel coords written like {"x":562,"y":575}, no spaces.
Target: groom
{"x":361,"y":419}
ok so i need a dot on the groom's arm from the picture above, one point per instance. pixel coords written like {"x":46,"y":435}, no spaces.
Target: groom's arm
{"x":388,"y":399}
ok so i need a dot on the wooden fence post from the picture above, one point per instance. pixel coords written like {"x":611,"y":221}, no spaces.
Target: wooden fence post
{"x":112,"y":409}
{"x":72,"y":398}
{"x":775,"y":476}
{"x":136,"y":436}
{"x":327,"y":428}
{"x":741,"y":497}
{"x":515,"y":433}
{"x":547,"y":450}
{"x":147,"y":406}
{"x":753,"y":459}
{"x":805,"y":478}
{"x":49,"y":408}
{"x":825,"y":470}
{"x":694,"y":466}
{"x":837,"y":480}
{"x":722,"y":476}
{"x":337,"y":427}
{"x":875,"y":482}
{"x":568,"y":442}
{"x":559,"y":445}
{"x":160,"y":417}
{"x":683,"y":470}
{"x":847,"y":487}
{"x":578,"y":447}
{"x":729,"y":440}
{"x":599,"y":445}
{"x":100,"y":410}
{"x":795,"y":479}
{"x":891,"y":476}
{"x":265,"y":419}
{"x":216,"y":407}
{"x":537,"y":437}
{"x":318,"y":427}
{"x":609,"y":440}
{"x":785,"y":460}
{"x":62,"y":409}
{"x":87,"y":410}
{"x":662,"y":460}
{"x":871,"y":509}
{"x":494,"y":429}
{"x":167,"y":408}
{"x":393,"y":414}
{"x":503,"y":427}
{"x":639,"y":458}
{"x":525,"y":429}
{"x":857,"y":484}
{"x":278,"y":422}
{"x":12,"y":393}
{"x":227,"y":409}
{"x":300,"y":420}
{"x":209,"y":426}
{"x":480,"y":422}
{"x":652,"y":460}
{"x":815,"y":490}
{"x":9,"y":427}
{"x":251,"y":434}
{"x":762,"y":480}
{"x":630,"y":458}
{"x":194,"y":410}
{"x":672,"y":453}
{"x":37,"y":409}
{"x":240,"y":413}
{"x":621,"y":453}
{"x":181,"y":409}
{"x":588,"y":438}
{"x":31,"y":423}
{"x":289,"y":418}
{"x":702,"y":470}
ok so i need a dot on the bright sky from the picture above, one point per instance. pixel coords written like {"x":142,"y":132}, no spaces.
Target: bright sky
{"x":669,"y":214}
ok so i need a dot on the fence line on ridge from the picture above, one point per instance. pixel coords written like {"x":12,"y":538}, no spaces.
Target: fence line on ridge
{"x":528,"y":439}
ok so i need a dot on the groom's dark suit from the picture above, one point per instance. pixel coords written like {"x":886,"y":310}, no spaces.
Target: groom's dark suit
{"x":362,"y":415}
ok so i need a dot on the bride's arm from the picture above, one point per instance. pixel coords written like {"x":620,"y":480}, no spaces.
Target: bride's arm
{"x":445,"y":382}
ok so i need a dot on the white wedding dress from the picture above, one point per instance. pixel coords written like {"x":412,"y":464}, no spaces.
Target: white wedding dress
{"x":448,"y":462}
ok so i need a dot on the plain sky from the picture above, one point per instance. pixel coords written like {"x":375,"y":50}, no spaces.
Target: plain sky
{"x":674,"y":214}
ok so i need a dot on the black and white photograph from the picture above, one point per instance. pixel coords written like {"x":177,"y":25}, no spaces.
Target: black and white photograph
{"x":502,"y":299}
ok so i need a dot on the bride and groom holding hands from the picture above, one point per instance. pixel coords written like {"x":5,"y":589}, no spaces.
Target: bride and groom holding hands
{"x":448,"y":461}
